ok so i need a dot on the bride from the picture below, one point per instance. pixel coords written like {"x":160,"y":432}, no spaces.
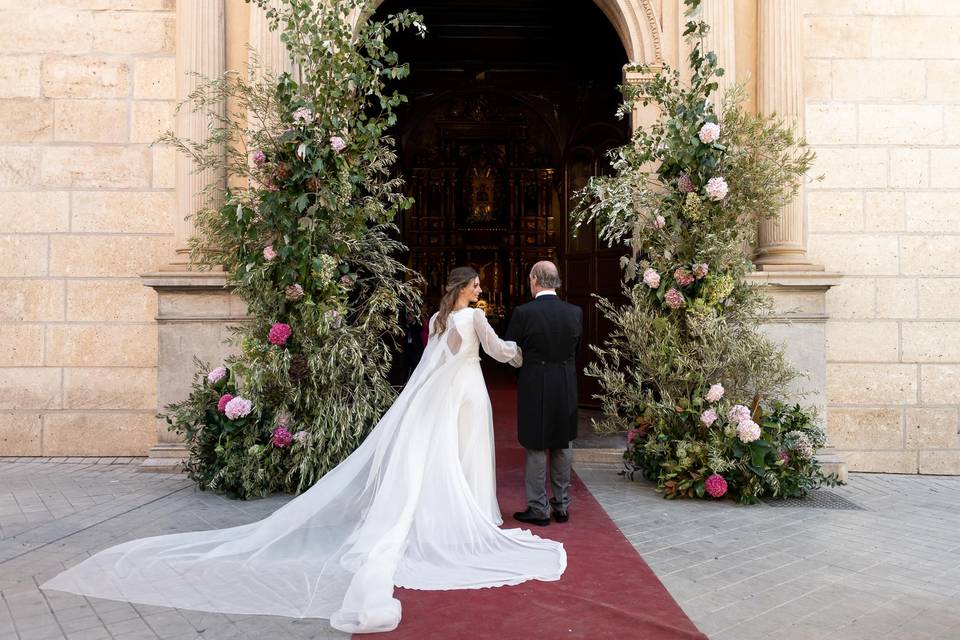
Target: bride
{"x":414,"y":506}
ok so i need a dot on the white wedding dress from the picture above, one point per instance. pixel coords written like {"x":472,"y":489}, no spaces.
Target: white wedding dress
{"x":414,"y":506}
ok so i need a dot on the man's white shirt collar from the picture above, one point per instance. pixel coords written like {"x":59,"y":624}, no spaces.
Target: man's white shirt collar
{"x":547,"y":292}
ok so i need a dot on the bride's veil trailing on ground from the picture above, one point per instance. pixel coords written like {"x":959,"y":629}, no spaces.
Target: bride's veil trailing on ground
{"x":398,"y":511}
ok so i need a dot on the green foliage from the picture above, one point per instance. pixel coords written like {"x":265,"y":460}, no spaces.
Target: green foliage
{"x":305,"y":236}
{"x":685,"y":202}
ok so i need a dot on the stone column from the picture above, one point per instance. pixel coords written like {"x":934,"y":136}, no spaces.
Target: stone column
{"x":782,"y":241}
{"x":266,"y":44}
{"x":201,"y":56}
{"x":721,"y":39}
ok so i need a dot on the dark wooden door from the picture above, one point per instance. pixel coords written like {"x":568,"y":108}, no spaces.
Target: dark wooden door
{"x":590,"y":268}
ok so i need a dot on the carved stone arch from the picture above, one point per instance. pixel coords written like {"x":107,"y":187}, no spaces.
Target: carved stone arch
{"x":635,"y":21}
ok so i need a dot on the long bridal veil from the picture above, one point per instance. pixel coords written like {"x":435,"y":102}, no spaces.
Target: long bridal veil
{"x":398,"y":511}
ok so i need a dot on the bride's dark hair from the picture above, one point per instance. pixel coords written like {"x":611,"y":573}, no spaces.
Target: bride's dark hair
{"x":456,"y":281}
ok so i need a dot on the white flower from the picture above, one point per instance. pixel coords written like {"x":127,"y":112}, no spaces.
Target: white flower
{"x":303,"y":115}
{"x":747,"y":431}
{"x":651,"y":278}
{"x":659,"y":222}
{"x":709,"y":132}
{"x":217,"y":375}
{"x":238,"y":408}
{"x":715,"y":393}
{"x":708,"y":417}
{"x":300,"y":436}
{"x":337,"y":143}
{"x":738,"y":413}
{"x":717,"y":188}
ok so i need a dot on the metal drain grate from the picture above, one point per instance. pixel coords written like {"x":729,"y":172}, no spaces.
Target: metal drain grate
{"x":818,"y":499}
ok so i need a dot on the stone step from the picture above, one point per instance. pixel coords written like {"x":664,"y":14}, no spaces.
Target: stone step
{"x":162,"y":465}
{"x":590,"y":454}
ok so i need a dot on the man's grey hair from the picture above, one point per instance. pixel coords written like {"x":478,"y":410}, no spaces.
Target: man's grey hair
{"x":546,"y":274}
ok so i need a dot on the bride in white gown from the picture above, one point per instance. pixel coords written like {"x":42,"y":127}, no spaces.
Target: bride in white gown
{"x":414,"y":506}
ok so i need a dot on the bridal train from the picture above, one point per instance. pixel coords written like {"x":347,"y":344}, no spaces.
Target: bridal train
{"x":414,"y":506}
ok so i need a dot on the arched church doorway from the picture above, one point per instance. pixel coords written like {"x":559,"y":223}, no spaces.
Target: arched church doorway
{"x":511,"y":108}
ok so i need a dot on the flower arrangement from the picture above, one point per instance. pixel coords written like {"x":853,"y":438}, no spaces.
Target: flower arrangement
{"x":685,"y":358}
{"x":305,"y":234}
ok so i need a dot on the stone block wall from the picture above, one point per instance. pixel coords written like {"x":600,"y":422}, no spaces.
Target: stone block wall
{"x":883,"y":114}
{"x":86,"y":206}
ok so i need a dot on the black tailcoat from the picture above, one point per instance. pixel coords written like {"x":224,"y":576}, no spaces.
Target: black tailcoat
{"x":549,"y":331}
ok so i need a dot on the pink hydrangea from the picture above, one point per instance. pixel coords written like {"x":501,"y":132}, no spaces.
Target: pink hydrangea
{"x":715,"y":393}
{"x":300,"y":436}
{"x":683,"y":277}
{"x":259,"y":157}
{"x":651,"y":278}
{"x":748,"y":431}
{"x":784,"y":456}
{"x":631,"y":434}
{"x":659,"y":222}
{"x":685,"y":184}
{"x":303,"y":115}
{"x":281,"y":438}
{"x":337,"y":143}
{"x":716,"y":485}
{"x":269,"y":253}
{"x":222,"y":403}
{"x":738,"y":413}
{"x":280,"y":333}
{"x":708,"y":417}
{"x":717,"y":188}
{"x":238,"y":408}
{"x":217,"y":375}
{"x":674,"y":299}
{"x":700,"y":270}
{"x":709,"y":132}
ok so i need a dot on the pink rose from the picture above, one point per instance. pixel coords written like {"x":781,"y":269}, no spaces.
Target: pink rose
{"x":279,"y":334}
{"x":269,"y":253}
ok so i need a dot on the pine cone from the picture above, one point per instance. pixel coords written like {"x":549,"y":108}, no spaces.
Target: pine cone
{"x":299,"y":367}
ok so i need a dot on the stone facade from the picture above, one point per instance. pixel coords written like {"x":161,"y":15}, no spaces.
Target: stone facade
{"x":883,"y":114}
{"x":86,"y":85}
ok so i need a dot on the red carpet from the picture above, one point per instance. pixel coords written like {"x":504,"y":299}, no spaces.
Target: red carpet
{"x":607,"y":591}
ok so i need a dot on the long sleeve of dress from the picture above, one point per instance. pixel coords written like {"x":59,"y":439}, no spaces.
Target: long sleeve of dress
{"x":500,"y":350}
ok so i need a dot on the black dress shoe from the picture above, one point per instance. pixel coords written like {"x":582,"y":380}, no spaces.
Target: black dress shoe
{"x":530,"y":518}
{"x":561,"y":516}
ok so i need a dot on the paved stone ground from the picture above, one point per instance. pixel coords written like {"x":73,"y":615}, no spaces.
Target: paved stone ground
{"x":890,"y":570}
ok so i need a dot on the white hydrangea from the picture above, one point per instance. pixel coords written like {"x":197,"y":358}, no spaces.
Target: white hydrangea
{"x":717,"y":188}
{"x":715,"y":393}
{"x":709,"y":132}
{"x":748,"y":431}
